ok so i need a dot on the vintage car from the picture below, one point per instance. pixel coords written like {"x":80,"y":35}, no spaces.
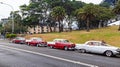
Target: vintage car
{"x":61,"y":44}
{"x":19,"y":40}
{"x":36,"y":41}
{"x":98,"y":47}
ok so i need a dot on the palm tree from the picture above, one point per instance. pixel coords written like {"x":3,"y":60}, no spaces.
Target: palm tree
{"x":87,"y":13}
{"x":116,"y":10}
{"x":58,"y":14}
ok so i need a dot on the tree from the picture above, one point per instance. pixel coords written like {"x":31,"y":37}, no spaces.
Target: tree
{"x":116,"y":10}
{"x":105,"y":4}
{"x":87,"y":13}
{"x":104,"y":14}
{"x":17,"y":23}
{"x":58,"y":14}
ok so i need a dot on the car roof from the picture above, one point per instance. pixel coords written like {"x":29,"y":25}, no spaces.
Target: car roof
{"x":35,"y":38}
{"x":19,"y":37}
{"x":60,"y":39}
{"x":93,"y":41}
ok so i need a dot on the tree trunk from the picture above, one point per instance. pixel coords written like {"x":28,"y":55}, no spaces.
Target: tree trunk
{"x":54,"y":28}
{"x":34,"y":30}
{"x":69,"y":24}
{"x":59,"y":27}
{"x":119,"y":27}
{"x":50,"y":28}
{"x":88,"y":29}
{"x":99,"y":26}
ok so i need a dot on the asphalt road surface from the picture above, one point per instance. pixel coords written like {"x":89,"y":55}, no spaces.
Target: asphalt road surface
{"x":17,"y":55}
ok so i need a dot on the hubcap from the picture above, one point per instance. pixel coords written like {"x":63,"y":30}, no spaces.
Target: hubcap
{"x":66,"y":48}
{"x":37,"y":45}
{"x":108,"y":53}
{"x":51,"y":46}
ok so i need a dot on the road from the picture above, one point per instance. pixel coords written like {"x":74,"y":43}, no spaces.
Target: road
{"x":17,"y":55}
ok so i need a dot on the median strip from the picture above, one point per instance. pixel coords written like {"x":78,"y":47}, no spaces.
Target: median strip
{"x":50,"y":56}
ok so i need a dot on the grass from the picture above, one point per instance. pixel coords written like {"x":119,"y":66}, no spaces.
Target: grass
{"x":109,"y":34}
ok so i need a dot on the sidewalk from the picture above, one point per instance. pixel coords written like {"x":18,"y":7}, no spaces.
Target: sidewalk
{"x":4,"y":40}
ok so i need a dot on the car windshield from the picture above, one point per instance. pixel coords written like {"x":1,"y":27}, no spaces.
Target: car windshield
{"x":103,"y":44}
{"x":20,"y":38}
{"x":37,"y":39}
{"x":65,"y":41}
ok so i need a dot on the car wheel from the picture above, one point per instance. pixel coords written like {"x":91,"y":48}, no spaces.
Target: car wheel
{"x":40,"y":45}
{"x":13,"y":41}
{"x":65,"y":48}
{"x":28,"y":44}
{"x":37,"y":45}
{"x":109,"y":53}
{"x":51,"y":47}
{"x":81,"y":50}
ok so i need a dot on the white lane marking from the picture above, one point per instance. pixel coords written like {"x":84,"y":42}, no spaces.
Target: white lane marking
{"x":50,"y":56}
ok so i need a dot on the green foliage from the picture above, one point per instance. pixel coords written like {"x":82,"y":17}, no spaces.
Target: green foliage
{"x":58,"y":13}
{"x":105,"y":4}
{"x":11,"y":35}
{"x":116,"y":9}
{"x":88,"y":15}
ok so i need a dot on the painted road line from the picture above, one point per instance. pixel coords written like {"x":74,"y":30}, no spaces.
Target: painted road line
{"x":50,"y":56}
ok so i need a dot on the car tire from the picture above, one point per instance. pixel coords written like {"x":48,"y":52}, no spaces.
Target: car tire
{"x":28,"y":44}
{"x":108,"y":53}
{"x":40,"y":45}
{"x":37,"y":45}
{"x":13,"y":41}
{"x":51,"y":47}
{"x":81,"y":50}
{"x":66,"y":48}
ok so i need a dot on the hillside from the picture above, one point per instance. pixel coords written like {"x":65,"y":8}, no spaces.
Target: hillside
{"x":109,"y":34}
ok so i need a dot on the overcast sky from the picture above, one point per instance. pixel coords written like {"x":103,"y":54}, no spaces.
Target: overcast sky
{"x":91,"y":1}
{"x":5,"y":9}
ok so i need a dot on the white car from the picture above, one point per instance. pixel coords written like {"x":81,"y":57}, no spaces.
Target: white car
{"x":98,"y":47}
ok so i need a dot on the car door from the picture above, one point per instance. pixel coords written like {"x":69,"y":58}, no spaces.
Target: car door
{"x":91,"y":47}
{"x":57,"y":44}
{"x":95,"y":47}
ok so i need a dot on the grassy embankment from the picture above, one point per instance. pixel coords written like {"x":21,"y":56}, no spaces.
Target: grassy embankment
{"x":109,"y":34}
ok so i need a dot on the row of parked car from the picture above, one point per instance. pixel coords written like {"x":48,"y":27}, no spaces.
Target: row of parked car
{"x":99,"y":47}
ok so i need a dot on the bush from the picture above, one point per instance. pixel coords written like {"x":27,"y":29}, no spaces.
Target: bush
{"x":11,"y":35}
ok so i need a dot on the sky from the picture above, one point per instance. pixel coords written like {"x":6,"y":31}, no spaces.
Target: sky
{"x":5,"y":9}
{"x":91,"y":1}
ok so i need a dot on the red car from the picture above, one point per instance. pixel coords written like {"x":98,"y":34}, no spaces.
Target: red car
{"x":19,"y":40}
{"x":61,"y":44}
{"x":35,"y":41}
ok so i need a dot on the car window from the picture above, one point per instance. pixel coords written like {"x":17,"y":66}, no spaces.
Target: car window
{"x":96,"y":43}
{"x":17,"y":38}
{"x":36,"y":39}
{"x":65,"y":41}
{"x":90,"y":43}
{"x":57,"y":41}
{"x":103,"y":44}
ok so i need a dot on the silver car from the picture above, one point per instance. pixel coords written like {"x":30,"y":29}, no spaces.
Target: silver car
{"x":98,"y":47}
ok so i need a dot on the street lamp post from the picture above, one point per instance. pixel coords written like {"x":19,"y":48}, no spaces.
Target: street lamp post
{"x":12,"y":14}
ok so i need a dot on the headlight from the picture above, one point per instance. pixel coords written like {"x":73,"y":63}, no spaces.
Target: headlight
{"x":118,"y":50}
